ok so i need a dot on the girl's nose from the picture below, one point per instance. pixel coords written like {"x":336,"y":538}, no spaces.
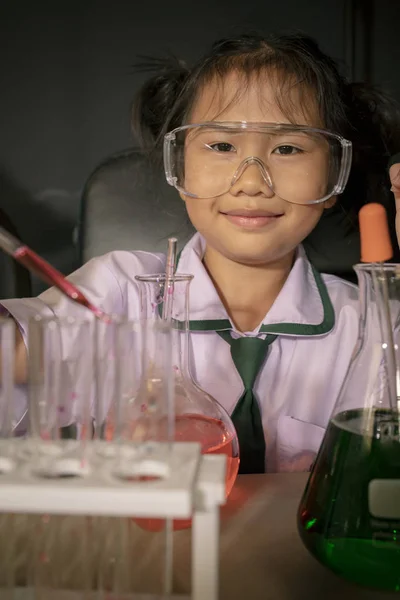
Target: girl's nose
{"x":252,"y":179}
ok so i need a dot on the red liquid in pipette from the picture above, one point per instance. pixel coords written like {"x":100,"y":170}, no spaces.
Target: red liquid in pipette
{"x":214,"y":439}
{"x":34,"y":263}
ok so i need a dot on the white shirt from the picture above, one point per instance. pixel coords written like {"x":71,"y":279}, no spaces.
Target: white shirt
{"x":315,"y":317}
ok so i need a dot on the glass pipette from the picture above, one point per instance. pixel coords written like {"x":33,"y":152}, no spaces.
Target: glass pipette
{"x":46,"y":272}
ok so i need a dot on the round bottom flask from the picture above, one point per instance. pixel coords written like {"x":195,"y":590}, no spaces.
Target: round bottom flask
{"x":195,"y":416}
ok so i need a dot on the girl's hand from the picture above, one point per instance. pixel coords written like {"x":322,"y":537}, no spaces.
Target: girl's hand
{"x":394,"y":173}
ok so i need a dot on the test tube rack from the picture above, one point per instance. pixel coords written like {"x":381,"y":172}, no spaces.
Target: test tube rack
{"x":190,"y":485}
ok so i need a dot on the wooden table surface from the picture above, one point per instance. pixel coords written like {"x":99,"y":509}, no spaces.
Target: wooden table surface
{"x":261,"y":554}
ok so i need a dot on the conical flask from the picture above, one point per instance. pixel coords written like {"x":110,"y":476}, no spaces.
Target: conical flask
{"x":197,"y":416}
{"x":349,"y":516}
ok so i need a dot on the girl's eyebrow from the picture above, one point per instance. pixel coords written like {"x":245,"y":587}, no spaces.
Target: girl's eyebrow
{"x":217,"y":132}
{"x":195,"y":133}
{"x":201,"y":131}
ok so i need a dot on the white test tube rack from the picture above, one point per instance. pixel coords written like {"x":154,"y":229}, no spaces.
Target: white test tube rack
{"x":194,"y":487}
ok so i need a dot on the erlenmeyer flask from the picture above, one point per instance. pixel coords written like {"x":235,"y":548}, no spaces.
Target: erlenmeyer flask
{"x":197,"y":416}
{"x":349,"y":516}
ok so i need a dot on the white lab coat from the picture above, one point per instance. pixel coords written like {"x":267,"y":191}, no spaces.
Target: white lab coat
{"x":305,"y":366}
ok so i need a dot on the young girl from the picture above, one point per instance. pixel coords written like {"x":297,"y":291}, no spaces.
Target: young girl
{"x":257,"y":142}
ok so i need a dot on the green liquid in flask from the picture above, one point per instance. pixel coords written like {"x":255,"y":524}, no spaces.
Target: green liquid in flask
{"x":337,"y":517}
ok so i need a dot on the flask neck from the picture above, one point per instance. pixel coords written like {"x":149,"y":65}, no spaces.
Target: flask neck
{"x":152,"y":290}
{"x":375,"y":363}
{"x":379,"y":300}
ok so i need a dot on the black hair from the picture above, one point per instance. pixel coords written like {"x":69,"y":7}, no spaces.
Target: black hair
{"x":153,"y":103}
{"x":366,"y":116}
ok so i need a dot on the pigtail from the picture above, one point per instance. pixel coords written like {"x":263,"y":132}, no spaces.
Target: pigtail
{"x":374,"y":128}
{"x":373,"y":121}
{"x":154,"y":101}
{"x":376,"y":118}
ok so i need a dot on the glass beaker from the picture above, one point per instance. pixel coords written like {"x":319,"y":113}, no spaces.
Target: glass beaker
{"x":7,"y":400}
{"x":115,"y":377}
{"x":349,"y":516}
{"x":197,"y":416}
{"x":143,"y":406}
{"x":60,"y":358}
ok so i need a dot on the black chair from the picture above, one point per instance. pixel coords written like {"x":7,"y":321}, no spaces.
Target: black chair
{"x":128,"y":205}
{"x":15,"y":280}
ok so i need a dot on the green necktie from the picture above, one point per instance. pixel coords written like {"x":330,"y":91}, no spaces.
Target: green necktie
{"x":248,"y":355}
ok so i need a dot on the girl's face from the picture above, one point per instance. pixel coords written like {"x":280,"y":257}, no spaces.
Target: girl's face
{"x":250,"y":224}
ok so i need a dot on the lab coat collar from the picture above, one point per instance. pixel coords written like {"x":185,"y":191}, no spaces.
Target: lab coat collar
{"x":302,"y":308}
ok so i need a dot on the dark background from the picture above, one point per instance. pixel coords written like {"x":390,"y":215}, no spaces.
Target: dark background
{"x":66,"y":84}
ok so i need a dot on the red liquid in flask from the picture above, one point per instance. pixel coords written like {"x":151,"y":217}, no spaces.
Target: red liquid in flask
{"x":214,"y":439}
